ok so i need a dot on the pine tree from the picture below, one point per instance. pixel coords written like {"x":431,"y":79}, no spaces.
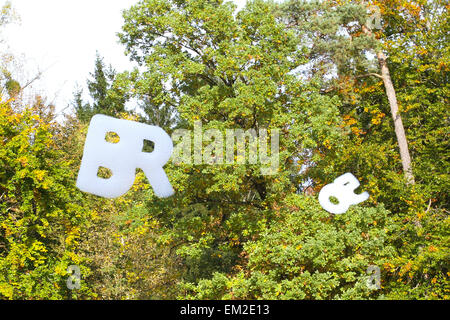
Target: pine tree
{"x":341,"y":37}
{"x":83,"y":110}
{"x":105,"y":91}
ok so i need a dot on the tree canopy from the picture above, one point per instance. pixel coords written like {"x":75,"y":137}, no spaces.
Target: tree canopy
{"x":332,"y":83}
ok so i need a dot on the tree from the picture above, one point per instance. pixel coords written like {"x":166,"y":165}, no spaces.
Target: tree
{"x":235,"y":230}
{"x":12,"y":86}
{"x":158,"y":108}
{"x":109,"y":97}
{"x":412,"y":35}
{"x":305,"y":253}
{"x":41,"y":212}
{"x":229,"y":71}
{"x":83,"y":110}
{"x":341,"y":37}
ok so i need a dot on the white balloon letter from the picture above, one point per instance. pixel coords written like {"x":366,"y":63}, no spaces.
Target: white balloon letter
{"x":342,"y":189}
{"x":124,"y":157}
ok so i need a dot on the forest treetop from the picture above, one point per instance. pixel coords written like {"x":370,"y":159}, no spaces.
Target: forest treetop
{"x":347,"y":97}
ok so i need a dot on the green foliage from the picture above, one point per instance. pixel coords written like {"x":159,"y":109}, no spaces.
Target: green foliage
{"x":41,"y":213}
{"x":230,"y":72}
{"x":230,"y":232}
{"x":420,"y":271}
{"x":107,"y":91}
{"x":306,"y":253}
{"x":413,"y":34}
{"x":13,"y":87}
{"x":158,"y":107}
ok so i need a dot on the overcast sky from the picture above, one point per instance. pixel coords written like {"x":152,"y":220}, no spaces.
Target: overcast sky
{"x":62,"y":36}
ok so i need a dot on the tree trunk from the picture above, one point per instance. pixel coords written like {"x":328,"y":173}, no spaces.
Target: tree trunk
{"x":398,"y":123}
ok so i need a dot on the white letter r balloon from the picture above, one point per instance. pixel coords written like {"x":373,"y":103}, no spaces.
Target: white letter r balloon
{"x":124,"y":157}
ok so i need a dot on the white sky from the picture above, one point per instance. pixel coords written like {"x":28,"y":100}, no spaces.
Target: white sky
{"x":62,"y":36}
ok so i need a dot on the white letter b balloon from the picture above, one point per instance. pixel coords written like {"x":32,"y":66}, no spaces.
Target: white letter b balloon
{"x":124,"y":157}
{"x":342,"y":189}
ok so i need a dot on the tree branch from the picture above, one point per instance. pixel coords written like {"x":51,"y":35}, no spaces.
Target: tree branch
{"x":370,"y":74}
